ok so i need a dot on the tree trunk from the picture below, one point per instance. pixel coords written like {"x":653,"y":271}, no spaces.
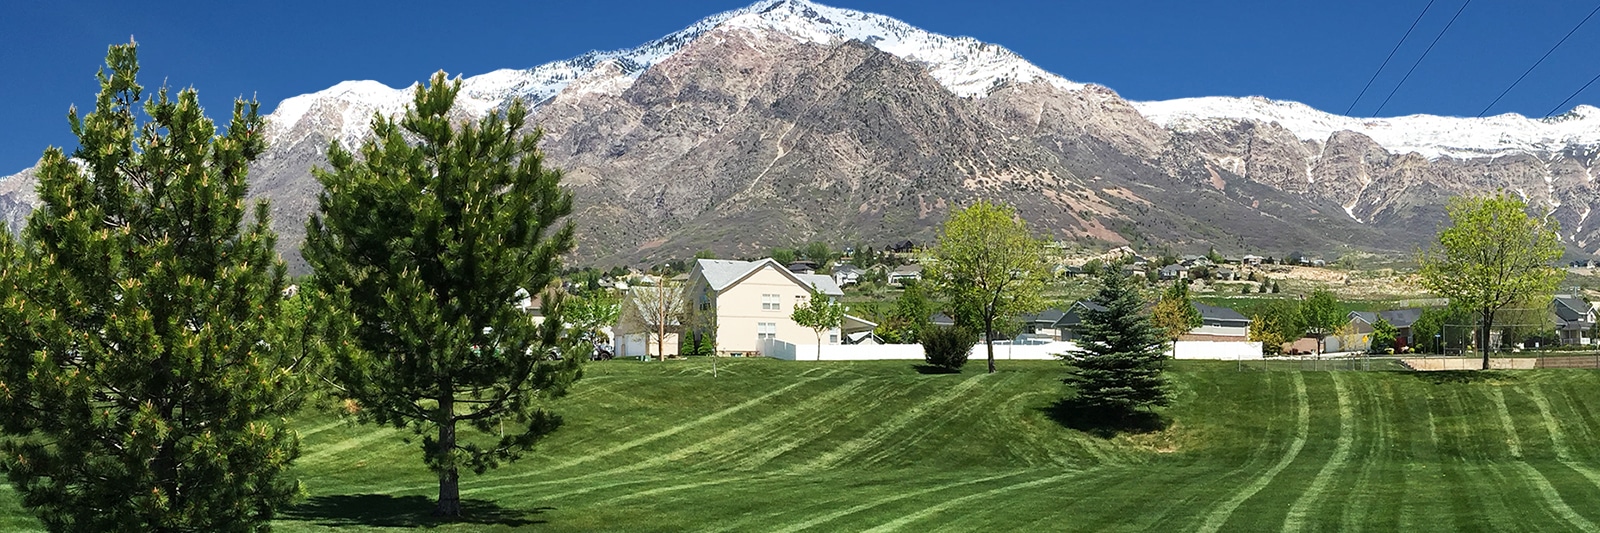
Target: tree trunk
{"x":1488,"y":322}
{"x":988,"y":339}
{"x":661,"y":341}
{"x":819,"y":343}
{"x":449,"y":478}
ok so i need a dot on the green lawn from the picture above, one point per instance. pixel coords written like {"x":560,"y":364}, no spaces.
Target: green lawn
{"x":783,"y":446}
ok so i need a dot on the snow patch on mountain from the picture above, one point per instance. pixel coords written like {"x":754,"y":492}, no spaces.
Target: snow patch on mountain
{"x":1429,"y":135}
{"x":964,"y":65}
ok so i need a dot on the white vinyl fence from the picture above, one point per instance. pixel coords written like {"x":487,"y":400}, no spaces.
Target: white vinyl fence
{"x":1227,"y":351}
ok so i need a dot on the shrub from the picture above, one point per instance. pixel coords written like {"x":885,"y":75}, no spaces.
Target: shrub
{"x":947,"y":347}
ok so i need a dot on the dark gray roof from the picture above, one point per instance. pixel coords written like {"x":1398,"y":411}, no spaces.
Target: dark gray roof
{"x":1571,"y":308}
{"x":1047,"y":316}
{"x":941,"y":319}
{"x":1211,"y":312}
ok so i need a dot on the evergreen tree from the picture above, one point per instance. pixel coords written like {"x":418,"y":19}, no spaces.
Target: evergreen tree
{"x":423,"y":243}
{"x":145,"y":363}
{"x":1117,"y":366}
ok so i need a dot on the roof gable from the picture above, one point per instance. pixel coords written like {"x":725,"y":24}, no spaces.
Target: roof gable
{"x":721,"y":274}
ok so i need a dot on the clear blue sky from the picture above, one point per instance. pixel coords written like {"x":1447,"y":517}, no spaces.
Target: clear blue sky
{"x":1320,"y":53}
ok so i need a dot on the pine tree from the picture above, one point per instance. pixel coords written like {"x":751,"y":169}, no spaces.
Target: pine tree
{"x":424,"y":241}
{"x":1118,"y":365}
{"x":145,"y":365}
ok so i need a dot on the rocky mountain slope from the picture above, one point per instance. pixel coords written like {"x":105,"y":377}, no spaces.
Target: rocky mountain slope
{"x":788,"y":121}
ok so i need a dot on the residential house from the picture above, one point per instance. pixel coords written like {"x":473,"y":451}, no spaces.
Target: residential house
{"x":845,"y":275}
{"x":1573,"y":317}
{"x":1067,"y":325}
{"x":905,"y":272}
{"x":1218,"y":324}
{"x":1044,"y":323}
{"x":1252,"y":259}
{"x":1402,"y":319}
{"x":638,"y":332}
{"x":1174,"y":271}
{"x":751,"y":302}
{"x":1227,"y":274}
{"x":941,"y":319}
{"x":902,"y":247}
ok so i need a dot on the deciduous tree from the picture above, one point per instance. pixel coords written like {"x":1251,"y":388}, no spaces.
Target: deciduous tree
{"x":423,"y":242}
{"x":1492,"y":255}
{"x":1320,"y":316}
{"x":658,"y":309}
{"x":145,"y":361}
{"x":820,"y":313}
{"x":1175,"y":313}
{"x":990,"y":266}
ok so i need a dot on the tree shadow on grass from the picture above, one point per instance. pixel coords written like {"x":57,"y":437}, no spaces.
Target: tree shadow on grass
{"x":381,"y":510}
{"x":1102,"y":423}
{"x":931,"y":369}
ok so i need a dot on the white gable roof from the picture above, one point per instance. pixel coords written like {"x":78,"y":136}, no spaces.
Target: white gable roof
{"x":722,"y":273}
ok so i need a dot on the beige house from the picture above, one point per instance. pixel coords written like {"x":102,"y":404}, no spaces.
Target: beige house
{"x":751,"y":302}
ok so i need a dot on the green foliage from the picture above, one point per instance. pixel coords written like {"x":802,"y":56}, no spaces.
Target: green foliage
{"x":1493,"y":255}
{"x":911,"y":313}
{"x":1320,"y":315}
{"x":1175,"y":313}
{"x":422,"y":244}
{"x":819,"y":252}
{"x":1213,"y":256}
{"x":1273,"y":323}
{"x":990,"y":267}
{"x":587,"y":315}
{"x":147,"y":356}
{"x":1383,"y":337}
{"x":1431,"y":334}
{"x":1118,"y":364}
{"x":947,"y":347}
{"x":820,"y":313}
{"x":783,"y":256}
{"x":697,"y":343}
{"x":705,"y":254}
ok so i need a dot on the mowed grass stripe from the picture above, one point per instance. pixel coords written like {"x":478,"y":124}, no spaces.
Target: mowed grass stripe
{"x":1558,"y":438}
{"x":1301,"y":508}
{"x":328,"y":451}
{"x":1530,"y":475}
{"x":1219,"y":514}
{"x":878,"y":434}
{"x":919,"y":515}
{"x":910,"y":437}
{"x":829,"y":517}
{"x":1362,"y":501}
{"x":766,"y":428}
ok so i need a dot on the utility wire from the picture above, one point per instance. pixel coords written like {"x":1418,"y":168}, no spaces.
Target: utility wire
{"x":1424,"y":56}
{"x":1574,"y":95}
{"x":1541,"y":60}
{"x":1391,"y":56}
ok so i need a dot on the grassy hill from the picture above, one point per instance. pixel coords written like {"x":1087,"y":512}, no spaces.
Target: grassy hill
{"x":781,"y":446}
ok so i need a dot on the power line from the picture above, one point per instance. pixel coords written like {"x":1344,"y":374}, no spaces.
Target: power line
{"x":1391,"y":56}
{"x":1541,"y":60}
{"x":1574,"y":95}
{"x":1424,"y":56}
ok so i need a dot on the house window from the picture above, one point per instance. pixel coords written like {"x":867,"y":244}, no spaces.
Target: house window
{"x":771,"y":302}
{"x":766,"y":330}
{"x":833,"y":339}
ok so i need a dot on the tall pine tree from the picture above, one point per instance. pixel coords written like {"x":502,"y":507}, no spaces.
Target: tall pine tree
{"x":1117,"y":366}
{"x":424,"y":242}
{"x":144,"y":367}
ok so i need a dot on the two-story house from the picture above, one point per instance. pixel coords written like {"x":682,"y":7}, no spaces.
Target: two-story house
{"x":751,"y":302}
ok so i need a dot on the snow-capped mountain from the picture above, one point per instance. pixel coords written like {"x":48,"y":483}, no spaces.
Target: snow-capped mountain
{"x":788,"y":121}
{"x":1429,"y":135}
{"x":964,"y":65}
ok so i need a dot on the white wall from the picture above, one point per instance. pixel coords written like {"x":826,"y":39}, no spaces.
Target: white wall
{"x":1228,"y":351}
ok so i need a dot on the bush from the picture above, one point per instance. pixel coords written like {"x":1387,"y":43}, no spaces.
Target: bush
{"x":947,"y":347}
